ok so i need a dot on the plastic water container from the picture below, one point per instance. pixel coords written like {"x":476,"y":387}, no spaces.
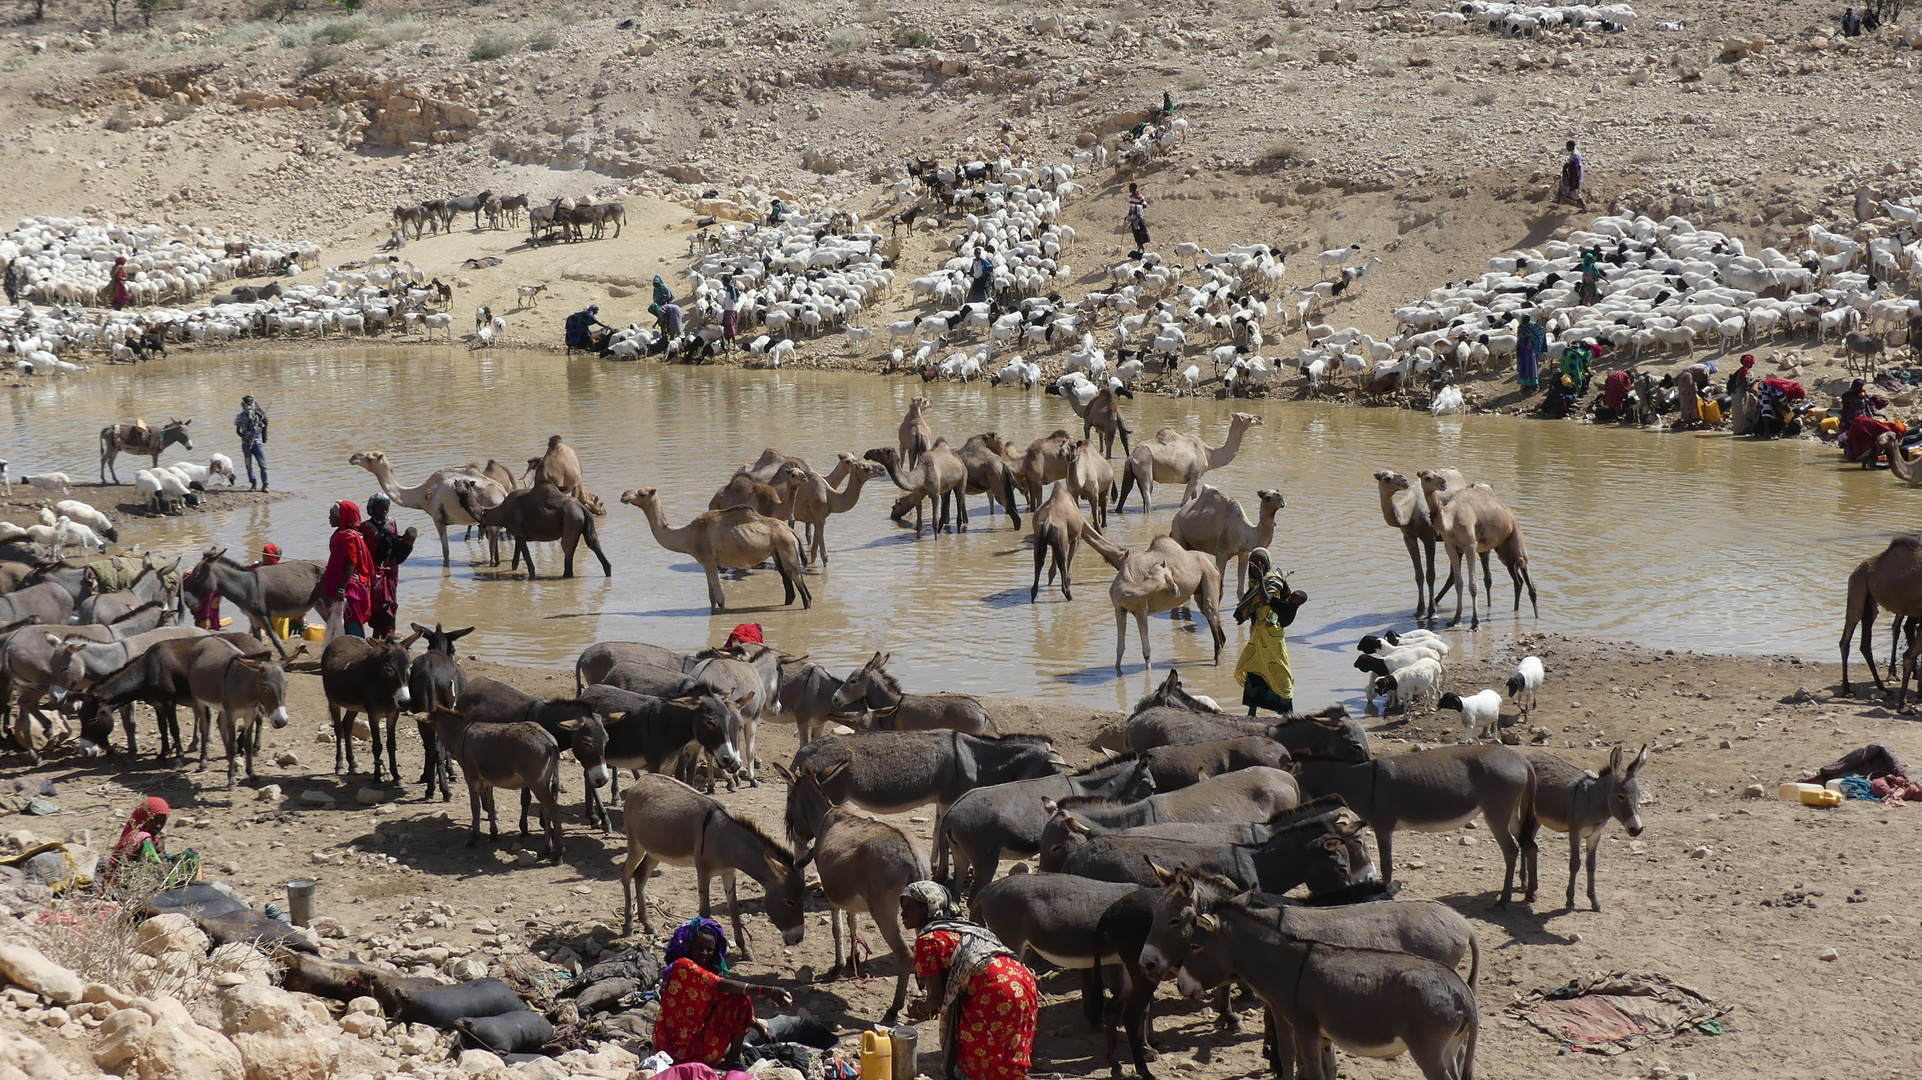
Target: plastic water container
{"x":877,"y":1056}
{"x":1795,"y":792}
{"x":1821,"y":797}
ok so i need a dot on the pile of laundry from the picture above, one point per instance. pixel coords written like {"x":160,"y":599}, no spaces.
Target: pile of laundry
{"x":1873,"y":772}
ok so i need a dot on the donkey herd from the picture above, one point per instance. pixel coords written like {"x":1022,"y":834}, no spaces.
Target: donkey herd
{"x":567,"y":219}
{"x":1171,"y":858}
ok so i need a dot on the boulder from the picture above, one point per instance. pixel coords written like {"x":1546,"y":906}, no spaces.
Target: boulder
{"x":177,"y":1048}
{"x":25,"y":966}
{"x":280,"y":1035}
{"x":21,"y":1056}
{"x":170,"y":933}
{"x":122,"y":1037}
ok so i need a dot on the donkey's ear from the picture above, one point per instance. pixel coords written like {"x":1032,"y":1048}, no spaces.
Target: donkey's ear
{"x":1208,"y":923}
{"x":804,"y":858}
{"x":1050,"y":807}
{"x":832,"y":771}
{"x":1635,"y":766}
{"x":780,"y":770}
{"x":1614,"y":762}
{"x":1162,"y":873}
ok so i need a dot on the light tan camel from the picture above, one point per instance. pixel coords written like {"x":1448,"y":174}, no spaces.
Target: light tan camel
{"x":1090,"y":477}
{"x":436,"y":496}
{"x":774,"y":499}
{"x":917,"y":437}
{"x":1174,"y":457}
{"x":1891,"y":579}
{"x":1102,"y":413}
{"x":1215,"y":523}
{"x":1163,"y":578}
{"x":1473,"y":521}
{"x":936,"y":476}
{"x":1889,"y":445}
{"x":1405,"y":508}
{"x":816,"y":499}
{"x":1045,"y":461}
{"x":1059,"y":526}
{"x":764,"y":467}
{"x":562,"y":468}
{"x":736,"y":537}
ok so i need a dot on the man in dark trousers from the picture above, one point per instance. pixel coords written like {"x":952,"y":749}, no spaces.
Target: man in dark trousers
{"x":251,"y":425}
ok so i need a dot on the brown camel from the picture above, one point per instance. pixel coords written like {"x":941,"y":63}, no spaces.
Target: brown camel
{"x":540,"y":514}
{"x":936,"y":476}
{"x":1889,"y":445}
{"x":774,"y":499}
{"x":1090,"y":477}
{"x":1215,"y":523}
{"x":1474,"y":521}
{"x":1174,"y":457}
{"x":1046,"y":460}
{"x":735,"y":537}
{"x":1405,"y":508}
{"x":764,"y":467}
{"x":560,"y":467}
{"x":1059,"y":526}
{"x":1163,"y":578}
{"x":1892,"y":580}
{"x":1102,"y":413}
{"x":435,"y":496}
{"x":917,"y":437}
{"x":816,"y":499}
{"x":986,"y":458}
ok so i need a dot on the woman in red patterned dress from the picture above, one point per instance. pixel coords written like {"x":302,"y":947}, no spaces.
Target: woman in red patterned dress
{"x":703,"y":1014}
{"x":986,"y":997}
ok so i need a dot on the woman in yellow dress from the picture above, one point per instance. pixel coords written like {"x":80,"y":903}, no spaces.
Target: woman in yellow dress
{"x":1263,"y":672}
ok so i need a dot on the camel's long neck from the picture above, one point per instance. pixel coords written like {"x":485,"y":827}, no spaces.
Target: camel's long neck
{"x":1265,"y":529}
{"x":894,"y":474}
{"x":1220,"y":456}
{"x":840,"y":502}
{"x":1115,"y":555}
{"x":670,"y":538}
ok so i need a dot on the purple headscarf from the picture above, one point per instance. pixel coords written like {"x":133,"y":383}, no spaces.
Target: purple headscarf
{"x":684,"y":935}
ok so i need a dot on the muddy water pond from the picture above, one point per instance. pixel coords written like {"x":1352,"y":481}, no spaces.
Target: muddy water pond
{"x":1678,"y":541}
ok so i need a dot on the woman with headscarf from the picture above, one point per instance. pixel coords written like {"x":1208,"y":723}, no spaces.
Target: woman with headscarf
{"x":142,"y":841}
{"x":349,"y":577}
{"x":121,"y":296}
{"x":730,"y":310}
{"x":662,"y":294}
{"x":1267,"y":681}
{"x":1745,"y":407}
{"x":985,"y":997}
{"x":1530,"y":340}
{"x":389,"y":547}
{"x":704,"y":1015}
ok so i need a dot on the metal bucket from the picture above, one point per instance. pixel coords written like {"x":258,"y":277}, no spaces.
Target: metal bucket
{"x":905,"y":1065}
{"x":300,"y":902}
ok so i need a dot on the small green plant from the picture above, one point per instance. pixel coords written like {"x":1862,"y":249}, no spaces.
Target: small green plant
{"x":492,"y":46}
{"x":176,"y":111}
{"x":121,"y":119}
{"x":320,"y":58}
{"x":340,"y":32}
{"x":910,"y":38}
{"x":849,"y":39}
{"x":1485,"y":98}
{"x":1194,"y":79}
{"x":113,"y":62}
{"x":544,"y":41}
{"x":1279,"y":153}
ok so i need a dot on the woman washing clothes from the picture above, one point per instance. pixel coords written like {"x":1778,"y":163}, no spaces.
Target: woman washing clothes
{"x":1267,"y":681}
{"x":704,"y":1014}
{"x":985,"y":997}
{"x":143,"y":842}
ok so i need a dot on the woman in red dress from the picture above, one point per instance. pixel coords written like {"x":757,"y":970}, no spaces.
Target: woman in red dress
{"x":349,"y":577}
{"x":986,"y":997}
{"x":703,"y":1014}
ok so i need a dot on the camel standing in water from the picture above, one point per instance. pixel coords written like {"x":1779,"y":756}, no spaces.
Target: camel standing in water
{"x":1174,"y":457}
{"x":1892,"y":580}
{"x":437,"y":498}
{"x":936,"y":475}
{"x":735,"y":537}
{"x":1046,"y":460}
{"x":1102,"y":413}
{"x":1163,"y":578}
{"x":1474,"y":521}
{"x":1405,"y":508}
{"x":1215,"y":523}
{"x":816,"y":499}
{"x":916,"y":436}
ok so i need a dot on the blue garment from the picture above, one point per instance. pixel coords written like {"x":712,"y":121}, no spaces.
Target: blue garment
{"x":1531,"y":339}
{"x":255,"y":452}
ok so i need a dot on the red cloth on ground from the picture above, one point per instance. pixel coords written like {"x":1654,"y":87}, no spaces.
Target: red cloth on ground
{"x":1858,"y":442}
{"x":699,"y":1021}
{"x":998,"y":1015}
{"x":745,"y":633}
